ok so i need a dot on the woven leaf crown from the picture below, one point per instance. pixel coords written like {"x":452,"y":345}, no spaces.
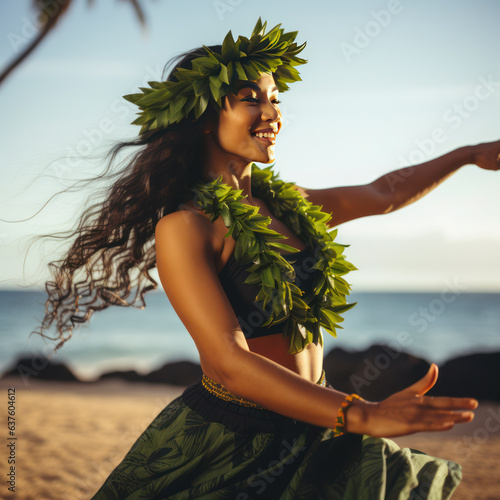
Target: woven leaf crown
{"x":215,"y":74}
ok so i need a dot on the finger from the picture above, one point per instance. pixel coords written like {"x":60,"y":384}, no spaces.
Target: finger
{"x":425,"y":383}
{"x":442,"y":422}
{"x":449,"y":403}
{"x":429,"y":426}
{"x":438,"y":426}
{"x":465,"y":417}
{"x":458,"y":416}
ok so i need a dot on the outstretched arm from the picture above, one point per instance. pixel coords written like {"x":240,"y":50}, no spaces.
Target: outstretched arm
{"x":400,"y":187}
{"x":185,"y":260}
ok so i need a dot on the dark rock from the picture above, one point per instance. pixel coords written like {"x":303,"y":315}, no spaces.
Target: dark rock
{"x":381,"y":371}
{"x":374,"y":374}
{"x":473,"y":376}
{"x":176,"y":373}
{"x":40,"y":367}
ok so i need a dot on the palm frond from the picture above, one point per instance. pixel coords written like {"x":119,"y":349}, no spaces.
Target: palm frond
{"x":48,"y":13}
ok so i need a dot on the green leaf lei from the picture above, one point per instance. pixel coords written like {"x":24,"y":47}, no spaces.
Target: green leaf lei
{"x":212,"y":76}
{"x":256,"y":246}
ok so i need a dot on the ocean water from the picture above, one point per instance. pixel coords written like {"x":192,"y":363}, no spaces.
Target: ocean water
{"x":434,"y":326}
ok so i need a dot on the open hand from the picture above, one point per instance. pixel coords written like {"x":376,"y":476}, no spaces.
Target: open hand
{"x":409,"y":411}
{"x":487,"y":155}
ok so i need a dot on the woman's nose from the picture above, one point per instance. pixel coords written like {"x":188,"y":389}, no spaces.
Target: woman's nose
{"x":270,"y":112}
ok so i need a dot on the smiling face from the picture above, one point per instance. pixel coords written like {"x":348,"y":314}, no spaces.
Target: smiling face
{"x":248,"y":123}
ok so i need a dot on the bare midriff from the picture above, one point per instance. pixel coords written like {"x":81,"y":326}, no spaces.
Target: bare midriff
{"x":307,"y":363}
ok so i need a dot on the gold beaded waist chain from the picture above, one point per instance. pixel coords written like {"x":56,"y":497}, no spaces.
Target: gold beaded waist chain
{"x":221,"y":392}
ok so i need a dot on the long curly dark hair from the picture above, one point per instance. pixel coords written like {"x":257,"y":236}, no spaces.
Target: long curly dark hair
{"x":113,"y":250}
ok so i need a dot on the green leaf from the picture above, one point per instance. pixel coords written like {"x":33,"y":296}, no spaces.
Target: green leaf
{"x":333,"y":317}
{"x":178,"y":104}
{"x":267,"y":277}
{"x":343,"y":307}
{"x":215,"y":89}
{"x":252,"y":279}
{"x":240,"y":71}
{"x":223,"y":74}
{"x":342,"y":285}
{"x":282,"y":246}
{"x":226,"y":216}
{"x":200,"y":105}
{"x":229,"y":51}
{"x":258,"y":28}
{"x":200,"y":87}
{"x":215,"y":81}
{"x":252,"y":73}
{"x":230,"y":72}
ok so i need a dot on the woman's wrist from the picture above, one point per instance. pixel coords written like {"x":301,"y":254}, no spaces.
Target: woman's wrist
{"x":340,"y":421}
{"x":358,"y":416}
{"x":468,"y":155}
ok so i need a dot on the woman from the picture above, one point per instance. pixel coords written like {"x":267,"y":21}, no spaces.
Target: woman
{"x":263,"y":422}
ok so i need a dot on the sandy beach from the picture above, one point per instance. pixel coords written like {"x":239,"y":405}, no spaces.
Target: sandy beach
{"x":70,"y":436}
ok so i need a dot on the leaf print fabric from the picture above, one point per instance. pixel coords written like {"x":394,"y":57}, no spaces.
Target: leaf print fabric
{"x":202,"y":447}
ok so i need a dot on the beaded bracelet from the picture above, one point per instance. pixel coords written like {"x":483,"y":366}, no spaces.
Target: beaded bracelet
{"x":338,"y":430}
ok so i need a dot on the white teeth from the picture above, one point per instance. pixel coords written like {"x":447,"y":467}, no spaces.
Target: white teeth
{"x":265,"y":134}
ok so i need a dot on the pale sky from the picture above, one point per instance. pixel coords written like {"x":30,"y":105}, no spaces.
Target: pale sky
{"x":388,"y":84}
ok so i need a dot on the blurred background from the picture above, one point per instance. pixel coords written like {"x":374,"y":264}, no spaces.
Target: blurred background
{"x":388,"y":84}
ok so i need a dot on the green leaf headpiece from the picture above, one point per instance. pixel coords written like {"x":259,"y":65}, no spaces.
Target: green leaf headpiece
{"x":213,"y":75}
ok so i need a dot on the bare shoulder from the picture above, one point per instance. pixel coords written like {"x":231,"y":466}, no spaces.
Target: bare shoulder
{"x":186,"y":216}
{"x":187,"y":227}
{"x":189,"y":235}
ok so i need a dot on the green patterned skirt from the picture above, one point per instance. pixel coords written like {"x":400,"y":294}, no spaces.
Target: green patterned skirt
{"x":204,"y":446}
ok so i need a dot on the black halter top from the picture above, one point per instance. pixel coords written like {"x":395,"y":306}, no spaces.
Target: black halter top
{"x":250,"y":314}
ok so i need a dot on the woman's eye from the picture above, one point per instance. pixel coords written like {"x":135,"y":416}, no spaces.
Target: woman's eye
{"x":255,"y":100}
